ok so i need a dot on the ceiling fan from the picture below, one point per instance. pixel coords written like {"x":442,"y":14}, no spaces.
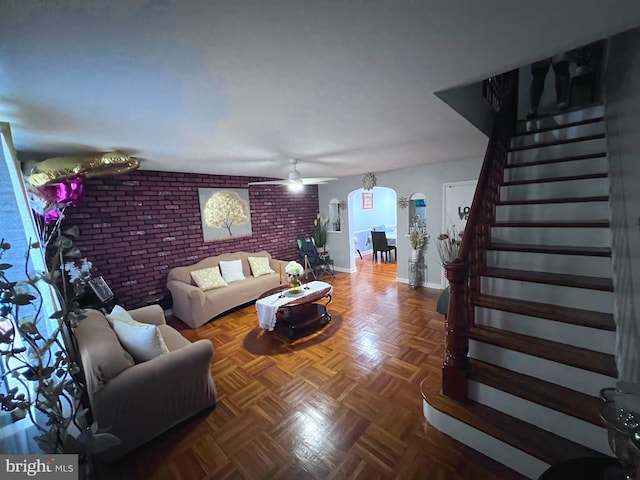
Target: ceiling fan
{"x":295,"y":181}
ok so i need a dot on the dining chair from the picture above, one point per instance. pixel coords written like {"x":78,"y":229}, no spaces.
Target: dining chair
{"x":380,"y":244}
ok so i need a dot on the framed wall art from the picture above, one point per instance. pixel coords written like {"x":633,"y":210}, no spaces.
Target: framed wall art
{"x":224,"y":213}
{"x":367,"y":200}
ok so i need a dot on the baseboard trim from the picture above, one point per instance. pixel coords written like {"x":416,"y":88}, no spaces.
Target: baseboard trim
{"x":504,"y":453}
{"x":437,"y":286}
{"x":345,"y":270}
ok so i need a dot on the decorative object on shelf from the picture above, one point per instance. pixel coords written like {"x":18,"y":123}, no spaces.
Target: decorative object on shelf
{"x":294,"y":270}
{"x":369,"y":181}
{"x":403,"y":202}
{"x":343,"y":204}
{"x":449,"y":244}
{"x":320,"y":231}
{"x":620,"y":412}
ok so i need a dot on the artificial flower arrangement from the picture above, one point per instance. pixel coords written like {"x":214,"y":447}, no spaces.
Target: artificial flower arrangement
{"x":449,"y":244}
{"x":320,"y":231}
{"x":39,"y":354}
{"x":293,"y":269}
{"x":417,"y":239}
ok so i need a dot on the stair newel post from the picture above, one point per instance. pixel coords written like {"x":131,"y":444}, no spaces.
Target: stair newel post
{"x":456,"y":365}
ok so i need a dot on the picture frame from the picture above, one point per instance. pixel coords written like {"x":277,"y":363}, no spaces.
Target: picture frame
{"x":100,"y":288}
{"x":225,"y":213}
{"x":367,"y":200}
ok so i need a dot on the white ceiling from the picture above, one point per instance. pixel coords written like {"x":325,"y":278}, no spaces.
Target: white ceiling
{"x":236,"y":87}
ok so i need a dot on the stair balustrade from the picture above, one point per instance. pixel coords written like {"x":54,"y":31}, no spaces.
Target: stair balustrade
{"x":463,"y":273}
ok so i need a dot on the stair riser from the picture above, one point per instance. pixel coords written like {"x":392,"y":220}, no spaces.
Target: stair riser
{"x":560,"y":169}
{"x":553,"y":421}
{"x":559,"y":211}
{"x":542,"y":262}
{"x":577,"y":131}
{"x":567,"y":189}
{"x":576,"y":335}
{"x":521,"y":462}
{"x":564,"y":375}
{"x":561,"y":119}
{"x":558,"y":151}
{"x":586,"y":237}
{"x":595,"y":300}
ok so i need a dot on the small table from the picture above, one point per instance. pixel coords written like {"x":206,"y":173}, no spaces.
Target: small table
{"x":292,"y":314}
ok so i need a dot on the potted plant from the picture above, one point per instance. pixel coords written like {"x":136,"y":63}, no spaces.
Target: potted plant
{"x":417,"y":241}
{"x":320,"y":232}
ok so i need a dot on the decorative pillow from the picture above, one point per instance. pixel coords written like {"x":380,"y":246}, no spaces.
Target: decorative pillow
{"x":260,"y":266}
{"x":232,"y":270}
{"x":208,"y":278}
{"x":142,"y":340}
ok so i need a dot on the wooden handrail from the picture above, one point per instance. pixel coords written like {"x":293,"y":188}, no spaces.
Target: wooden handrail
{"x":502,"y":117}
{"x":464,"y":272}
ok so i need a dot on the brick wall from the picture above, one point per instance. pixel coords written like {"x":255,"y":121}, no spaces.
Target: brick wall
{"x":135,"y":227}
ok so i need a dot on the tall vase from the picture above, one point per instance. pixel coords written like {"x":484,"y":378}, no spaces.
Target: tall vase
{"x":294,"y":284}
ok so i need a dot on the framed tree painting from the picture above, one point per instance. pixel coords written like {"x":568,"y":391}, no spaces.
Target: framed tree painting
{"x":224,"y":213}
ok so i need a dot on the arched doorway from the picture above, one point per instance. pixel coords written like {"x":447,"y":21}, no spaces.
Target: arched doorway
{"x":368,"y":210}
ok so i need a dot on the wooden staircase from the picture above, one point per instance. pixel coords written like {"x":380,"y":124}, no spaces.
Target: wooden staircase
{"x":541,"y":335}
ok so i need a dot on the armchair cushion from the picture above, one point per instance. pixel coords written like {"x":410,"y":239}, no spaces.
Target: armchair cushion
{"x":143,"y":341}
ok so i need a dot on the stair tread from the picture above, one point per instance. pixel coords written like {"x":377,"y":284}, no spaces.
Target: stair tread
{"x":555,"y":224}
{"x":539,"y":443}
{"x":558,"y":313}
{"x":562,"y":279}
{"x":550,"y":395}
{"x":563,"y":141}
{"x":554,"y":249}
{"x":556,"y":352}
{"x":544,"y":201}
{"x":542,"y":116}
{"x":571,"y":158}
{"x":568,"y":178}
{"x":576,"y":123}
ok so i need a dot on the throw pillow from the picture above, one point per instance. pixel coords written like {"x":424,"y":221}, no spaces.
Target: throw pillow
{"x":208,"y":278}
{"x":142,"y":340}
{"x":232,"y":270}
{"x":260,"y":266}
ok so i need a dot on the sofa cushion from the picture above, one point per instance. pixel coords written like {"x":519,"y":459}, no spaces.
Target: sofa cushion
{"x":259,"y":266}
{"x":102,"y":354}
{"x":231,"y":271}
{"x":208,"y":278}
{"x":143,"y":341}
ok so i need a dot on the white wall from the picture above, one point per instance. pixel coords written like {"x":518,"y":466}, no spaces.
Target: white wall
{"x":623,"y":123}
{"x":427,"y":179}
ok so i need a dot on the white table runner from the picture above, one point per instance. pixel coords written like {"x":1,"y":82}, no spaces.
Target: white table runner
{"x":267,"y":307}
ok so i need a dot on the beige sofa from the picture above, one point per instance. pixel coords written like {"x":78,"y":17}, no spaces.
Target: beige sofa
{"x":137,"y":402}
{"x":196,"y":307}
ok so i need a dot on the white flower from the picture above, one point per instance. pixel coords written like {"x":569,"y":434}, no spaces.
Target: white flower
{"x":294,"y":268}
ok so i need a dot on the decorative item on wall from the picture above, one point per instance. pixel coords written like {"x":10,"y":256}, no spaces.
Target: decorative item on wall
{"x":367,"y":200}
{"x":224,"y":213}
{"x":403,"y":202}
{"x":369,"y":181}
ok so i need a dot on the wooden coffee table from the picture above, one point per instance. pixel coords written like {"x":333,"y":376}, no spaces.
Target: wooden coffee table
{"x":303,"y":314}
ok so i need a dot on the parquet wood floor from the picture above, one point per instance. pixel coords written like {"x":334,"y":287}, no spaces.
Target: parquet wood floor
{"x":341,"y":403}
